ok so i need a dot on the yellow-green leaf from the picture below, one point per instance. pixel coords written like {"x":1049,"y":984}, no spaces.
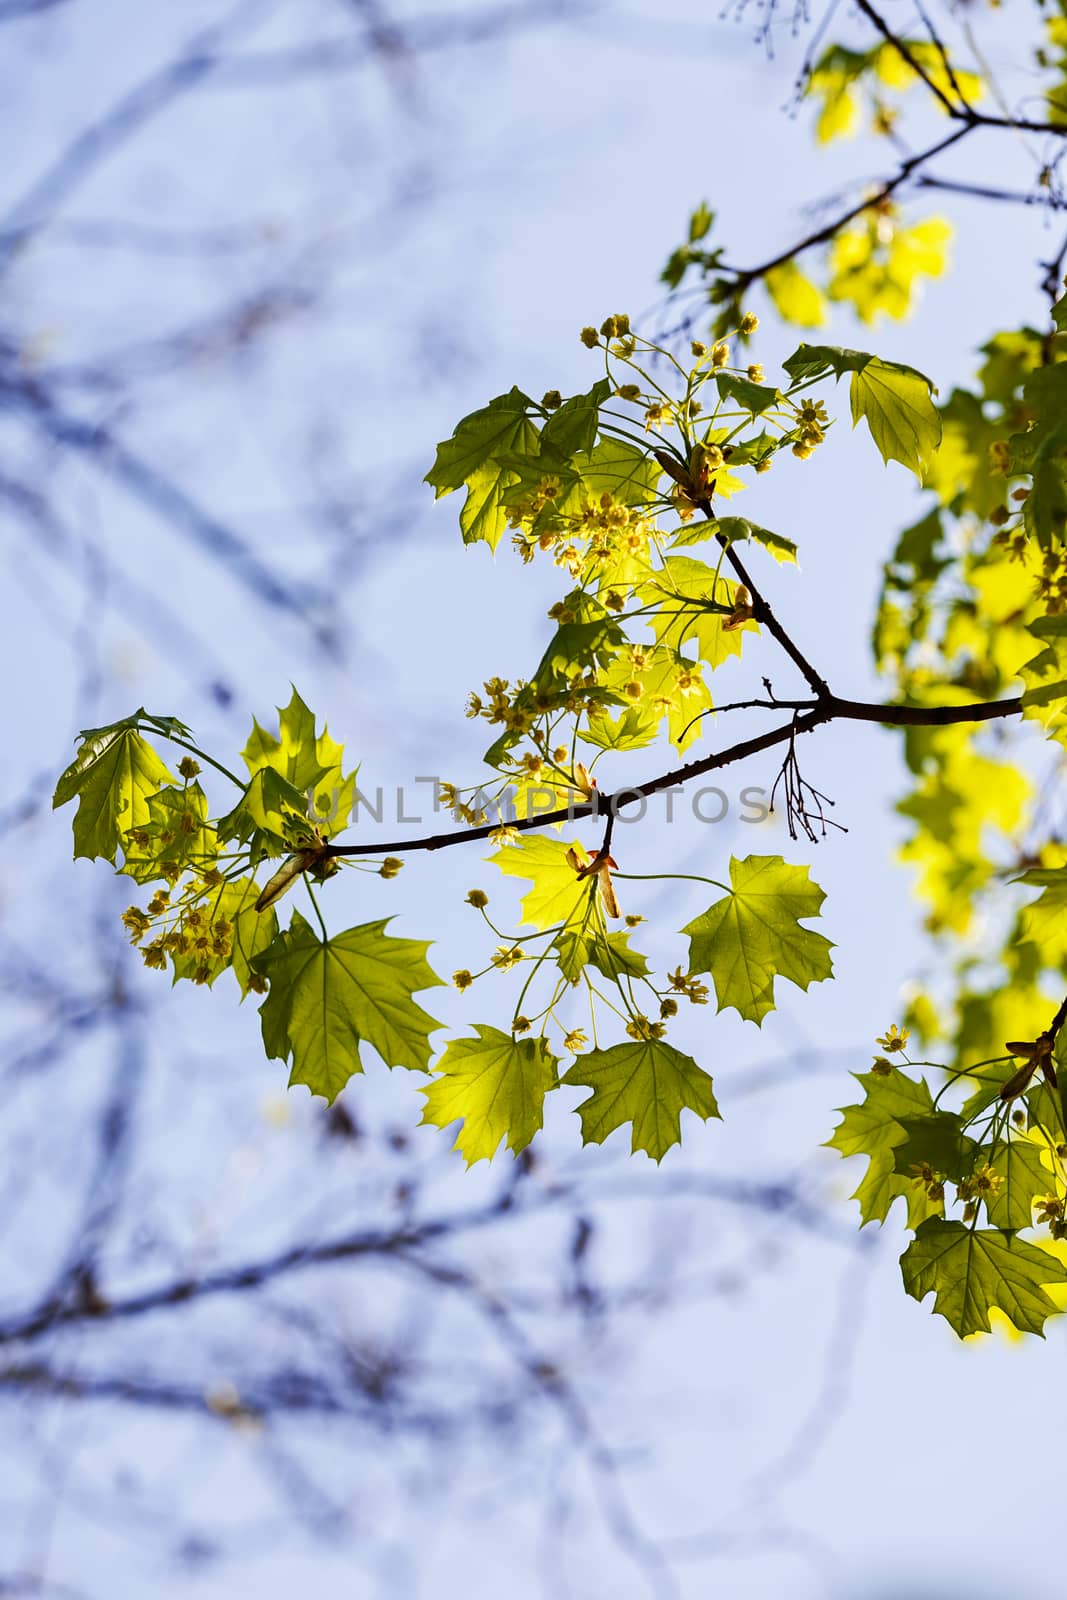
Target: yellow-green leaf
{"x":112,"y":777}
{"x":754,"y":935}
{"x":496,"y":1085}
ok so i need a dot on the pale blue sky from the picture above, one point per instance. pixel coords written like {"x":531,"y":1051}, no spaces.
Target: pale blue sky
{"x":815,"y":1433}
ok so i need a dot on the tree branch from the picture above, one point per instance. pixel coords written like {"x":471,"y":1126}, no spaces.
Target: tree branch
{"x":959,"y":113}
{"x":888,"y":186}
{"x":828,"y":709}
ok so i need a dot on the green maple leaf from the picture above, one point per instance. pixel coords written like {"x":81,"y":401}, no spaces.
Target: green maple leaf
{"x":1026,"y":1177}
{"x":612,"y":467}
{"x":112,"y":776}
{"x":496,"y":1084}
{"x":573,"y":426}
{"x":609,"y":953}
{"x":575,"y":647}
{"x":815,"y":360}
{"x":753,"y":935}
{"x":973,"y":1270}
{"x":876,"y":1129}
{"x":936,"y":1140}
{"x":648,"y":1083}
{"x":470,"y":459}
{"x":327,"y":996}
{"x":557,"y":896}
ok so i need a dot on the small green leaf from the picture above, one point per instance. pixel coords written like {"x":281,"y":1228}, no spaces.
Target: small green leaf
{"x":573,"y":426}
{"x":270,"y":817}
{"x":610,"y":953}
{"x":693,"y":602}
{"x":700,"y":223}
{"x":896,"y":404}
{"x":575,"y":647}
{"x":755,"y":398}
{"x":734,"y":529}
{"x":972,"y":1270}
{"x":470,"y":458}
{"x":938,"y":1141}
{"x":311,"y":762}
{"x":1020,"y":1163}
{"x":648,"y":1083}
{"x":477,"y":439}
{"x":876,"y":1130}
{"x":754,"y":935}
{"x":814,"y":360}
{"x":177,"y":835}
{"x":496,"y":1084}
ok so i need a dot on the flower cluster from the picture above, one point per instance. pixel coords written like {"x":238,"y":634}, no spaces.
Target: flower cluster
{"x":814,"y":421}
{"x":1050,"y":1210}
{"x":933,"y":1183}
{"x":984,"y":1184}
{"x":590,"y":541}
{"x":187,"y":930}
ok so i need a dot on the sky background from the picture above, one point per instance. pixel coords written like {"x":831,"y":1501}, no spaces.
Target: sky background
{"x":416,"y":234}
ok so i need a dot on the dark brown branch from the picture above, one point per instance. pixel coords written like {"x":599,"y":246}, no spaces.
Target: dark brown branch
{"x":827,"y":710}
{"x":924,"y":716}
{"x":763,"y":614}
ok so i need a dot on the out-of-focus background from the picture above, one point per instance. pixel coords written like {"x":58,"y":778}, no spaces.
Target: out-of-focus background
{"x":256,"y":260}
